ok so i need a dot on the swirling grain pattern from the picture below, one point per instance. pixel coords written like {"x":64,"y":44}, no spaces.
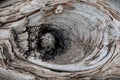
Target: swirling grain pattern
{"x":59,"y":40}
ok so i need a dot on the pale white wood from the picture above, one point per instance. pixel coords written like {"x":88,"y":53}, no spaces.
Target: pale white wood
{"x":95,"y":22}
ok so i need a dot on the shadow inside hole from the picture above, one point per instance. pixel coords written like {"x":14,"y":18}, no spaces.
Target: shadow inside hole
{"x":59,"y":44}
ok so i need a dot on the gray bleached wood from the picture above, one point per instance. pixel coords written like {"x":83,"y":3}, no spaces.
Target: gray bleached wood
{"x":85,"y":35}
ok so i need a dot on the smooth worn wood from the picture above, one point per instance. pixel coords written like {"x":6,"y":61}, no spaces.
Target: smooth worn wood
{"x":59,"y":39}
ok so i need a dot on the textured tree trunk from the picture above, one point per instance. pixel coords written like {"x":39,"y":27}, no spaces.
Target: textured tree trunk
{"x":59,"y":39}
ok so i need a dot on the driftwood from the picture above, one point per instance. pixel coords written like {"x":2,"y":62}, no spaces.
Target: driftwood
{"x":59,"y":39}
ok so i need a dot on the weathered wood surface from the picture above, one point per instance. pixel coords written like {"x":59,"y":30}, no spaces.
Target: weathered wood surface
{"x":59,"y":39}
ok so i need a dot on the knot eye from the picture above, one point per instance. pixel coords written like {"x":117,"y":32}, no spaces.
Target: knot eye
{"x":50,"y":42}
{"x":59,"y":39}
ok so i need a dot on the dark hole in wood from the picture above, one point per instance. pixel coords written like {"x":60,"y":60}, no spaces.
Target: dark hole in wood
{"x":60,"y":46}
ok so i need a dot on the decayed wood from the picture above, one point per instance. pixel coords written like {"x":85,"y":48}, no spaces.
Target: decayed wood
{"x":80,"y":39}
